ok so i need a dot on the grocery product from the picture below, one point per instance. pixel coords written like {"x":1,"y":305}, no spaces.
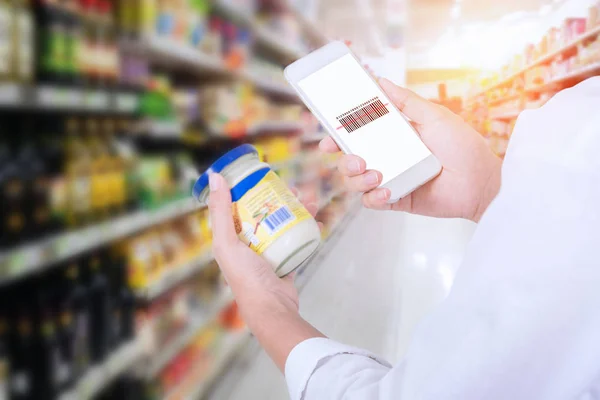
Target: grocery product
{"x":267,"y":216}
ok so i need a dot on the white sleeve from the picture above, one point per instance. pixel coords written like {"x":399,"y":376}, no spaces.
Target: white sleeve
{"x":315,"y":360}
{"x":522,"y":320}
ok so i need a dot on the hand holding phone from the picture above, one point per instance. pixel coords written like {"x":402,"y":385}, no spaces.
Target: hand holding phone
{"x":470,"y":177}
{"x":361,"y":119}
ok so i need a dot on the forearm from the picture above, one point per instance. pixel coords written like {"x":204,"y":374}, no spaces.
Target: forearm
{"x":277,"y":325}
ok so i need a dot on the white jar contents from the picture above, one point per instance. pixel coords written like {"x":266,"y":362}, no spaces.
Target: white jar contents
{"x":267,"y":215}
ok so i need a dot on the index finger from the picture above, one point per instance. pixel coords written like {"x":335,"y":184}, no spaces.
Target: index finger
{"x":328,"y":145}
{"x":221,"y":215}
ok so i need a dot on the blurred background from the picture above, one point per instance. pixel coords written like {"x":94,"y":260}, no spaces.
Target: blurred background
{"x":109,"y":109}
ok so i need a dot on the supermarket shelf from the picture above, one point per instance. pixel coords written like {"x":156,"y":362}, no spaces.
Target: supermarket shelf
{"x":507,"y":115}
{"x":37,"y":256}
{"x":161,"y":129}
{"x":279,"y":89}
{"x":270,"y":126}
{"x":581,"y":73}
{"x":229,"y":348}
{"x":53,"y":98}
{"x":543,"y":60}
{"x":172,"y":54}
{"x":311,"y":28}
{"x":502,"y":100}
{"x":270,"y":40}
{"x":569,"y":46}
{"x":98,"y":378}
{"x":264,"y":37}
{"x":175,"y":346}
{"x":175,"y":276}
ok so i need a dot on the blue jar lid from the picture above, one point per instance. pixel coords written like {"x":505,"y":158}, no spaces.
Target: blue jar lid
{"x":218,"y":166}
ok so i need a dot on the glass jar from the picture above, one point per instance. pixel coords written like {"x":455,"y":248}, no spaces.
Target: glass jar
{"x":267,"y":216}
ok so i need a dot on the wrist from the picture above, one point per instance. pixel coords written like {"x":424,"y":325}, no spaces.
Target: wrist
{"x":490,"y":190}
{"x":258,"y":305}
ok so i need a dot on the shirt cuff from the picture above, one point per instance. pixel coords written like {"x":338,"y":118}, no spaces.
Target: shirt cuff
{"x":309,"y":355}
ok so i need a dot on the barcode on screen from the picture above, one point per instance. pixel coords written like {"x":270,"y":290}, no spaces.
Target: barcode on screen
{"x":278,"y":219}
{"x":362,"y":115}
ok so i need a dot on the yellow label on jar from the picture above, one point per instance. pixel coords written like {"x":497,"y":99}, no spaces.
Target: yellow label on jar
{"x":266,"y":212}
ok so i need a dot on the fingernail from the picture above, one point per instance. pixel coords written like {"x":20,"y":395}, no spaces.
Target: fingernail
{"x":383,"y":194}
{"x":353,"y":166}
{"x":372,"y":178}
{"x":214,"y":182}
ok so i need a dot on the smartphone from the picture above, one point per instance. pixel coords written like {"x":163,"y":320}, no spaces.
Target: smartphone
{"x":358,"y":115}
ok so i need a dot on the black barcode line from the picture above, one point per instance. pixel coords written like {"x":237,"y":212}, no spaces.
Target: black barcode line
{"x":362,"y":115}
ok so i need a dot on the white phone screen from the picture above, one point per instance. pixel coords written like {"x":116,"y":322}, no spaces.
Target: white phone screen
{"x":358,"y":111}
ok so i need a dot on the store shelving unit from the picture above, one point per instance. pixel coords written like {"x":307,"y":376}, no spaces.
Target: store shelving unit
{"x":174,"y":347}
{"x":54,"y":98}
{"x":38,"y":256}
{"x":101,"y":376}
{"x":201,"y":379}
{"x":162,"y":57}
{"x":566,"y":49}
{"x":579,"y":74}
{"x":175,"y":276}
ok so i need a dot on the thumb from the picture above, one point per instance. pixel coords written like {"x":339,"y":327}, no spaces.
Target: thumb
{"x":221,"y":216}
{"x":412,"y":105}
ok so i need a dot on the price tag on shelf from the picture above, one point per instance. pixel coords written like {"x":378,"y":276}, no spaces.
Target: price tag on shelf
{"x":126,"y":102}
{"x":96,"y":101}
{"x":10,"y":94}
{"x":88,"y":386}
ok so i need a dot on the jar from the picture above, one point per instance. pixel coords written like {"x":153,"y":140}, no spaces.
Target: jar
{"x":267,"y":216}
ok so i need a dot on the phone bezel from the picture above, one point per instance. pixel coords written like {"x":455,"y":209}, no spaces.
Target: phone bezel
{"x":400,"y":185}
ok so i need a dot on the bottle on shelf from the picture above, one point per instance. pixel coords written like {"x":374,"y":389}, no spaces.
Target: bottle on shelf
{"x":25,"y":41}
{"x":4,"y":349}
{"x":74,"y":315}
{"x":99,"y":300}
{"x":78,"y":172}
{"x":123,"y":301}
{"x":50,"y":369}
{"x":51,"y":38}
{"x":22,"y":345}
{"x":13,"y":193}
{"x":51,"y":152}
{"x":73,"y":47}
{"x":7,"y":22}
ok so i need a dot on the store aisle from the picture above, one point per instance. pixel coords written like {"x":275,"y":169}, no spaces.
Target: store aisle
{"x":385,"y":272}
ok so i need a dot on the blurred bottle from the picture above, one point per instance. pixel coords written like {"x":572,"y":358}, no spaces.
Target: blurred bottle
{"x":75,"y":316}
{"x":33,"y":168}
{"x":108,"y":57}
{"x":89,"y":43}
{"x":123,"y":301}
{"x":23,"y":355}
{"x":117,"y":183}
{"x":13,"y":193}
{"x":100,"y":171}
{"x":78,"y":170}
{"x":6,"y":40}
{"x":52,"y":22}
{"x":4,"y":349}
{"x":49,"y":369}
{"x":73,"y":47}
{"x":99,"y":328}
{"x":24,"y":41}
{"x":52,"y":154}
